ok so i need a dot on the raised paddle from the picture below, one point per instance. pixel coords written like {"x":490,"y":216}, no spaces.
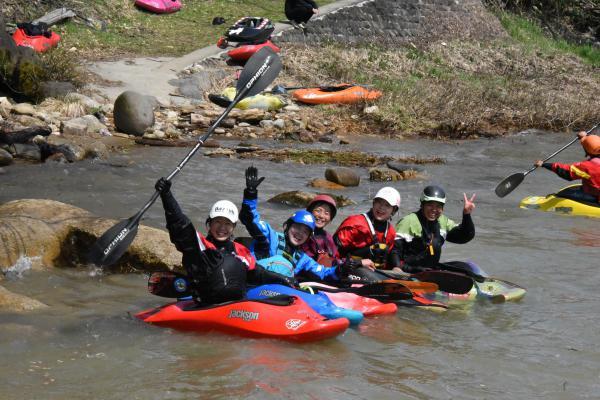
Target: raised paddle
{"x":260,"y":70}
{"x":511,"y":182}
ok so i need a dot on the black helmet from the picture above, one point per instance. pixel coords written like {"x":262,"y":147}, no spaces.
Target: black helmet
{"x":433,"y":193}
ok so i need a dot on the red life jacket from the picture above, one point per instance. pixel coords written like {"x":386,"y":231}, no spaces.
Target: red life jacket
{"x":241,"y":251}
{"x":589,"y":173}
{"x":357,"y":232}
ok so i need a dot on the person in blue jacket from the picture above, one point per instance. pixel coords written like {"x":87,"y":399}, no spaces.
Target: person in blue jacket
{"x":279,"y":252}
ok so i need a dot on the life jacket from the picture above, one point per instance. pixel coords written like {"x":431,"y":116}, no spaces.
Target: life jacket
{"x":282,"y":262}
{"x":250,"y":30}
{"x":237,"y":249}
{"x":363,"y":241}
{"x":322,"y":249}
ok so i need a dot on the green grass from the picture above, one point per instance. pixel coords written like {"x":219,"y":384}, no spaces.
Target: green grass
{"x":136,"y":32}
{"x":532,"y":36}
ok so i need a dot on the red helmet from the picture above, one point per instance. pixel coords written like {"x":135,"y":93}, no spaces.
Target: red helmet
{"x":591,"y":144}
{"x":323,"y":198}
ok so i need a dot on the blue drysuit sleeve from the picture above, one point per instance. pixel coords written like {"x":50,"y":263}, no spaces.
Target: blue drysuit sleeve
{"x":265,"y":237}
{"x":306,"y":263}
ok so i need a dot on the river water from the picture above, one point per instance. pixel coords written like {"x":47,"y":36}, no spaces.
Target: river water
{"x":87,"y":345}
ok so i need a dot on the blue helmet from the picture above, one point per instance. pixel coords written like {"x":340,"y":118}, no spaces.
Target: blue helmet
{"x":302,"y":217}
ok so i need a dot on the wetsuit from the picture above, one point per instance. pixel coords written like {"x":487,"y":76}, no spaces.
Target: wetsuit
{"x":419,"y":241}
{"x":217,"y":269}
{"x":589,"y":173}
{"x":268,"y":243}
{"x":299,"y":11}
{"x":321,"y":248}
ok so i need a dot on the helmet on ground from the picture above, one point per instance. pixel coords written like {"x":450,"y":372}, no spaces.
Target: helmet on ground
{"x":302,"y":217}
{"x":433,"y":193}
{"x":225,"y":209}
{"x":323,"y":198}
{"x":390,"y":195}
{"x":591,"y":144}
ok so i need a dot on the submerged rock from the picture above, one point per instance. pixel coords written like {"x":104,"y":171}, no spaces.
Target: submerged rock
{"x":298,"y":198}
{"x":13,"y":302}
{"x":342,"y":176}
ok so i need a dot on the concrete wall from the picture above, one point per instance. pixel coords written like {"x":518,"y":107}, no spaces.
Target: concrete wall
{"x":400,"y":20}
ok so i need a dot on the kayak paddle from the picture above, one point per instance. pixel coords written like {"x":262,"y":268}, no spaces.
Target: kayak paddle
{"x":260,"y":70}
{"x":511,"y":182}
{"x":447,"y":281}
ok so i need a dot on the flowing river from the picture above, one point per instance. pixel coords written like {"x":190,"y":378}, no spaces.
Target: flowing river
{"x":87,"y":345}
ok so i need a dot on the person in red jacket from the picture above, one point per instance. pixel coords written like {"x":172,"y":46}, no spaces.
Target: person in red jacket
{"x":369,"y":238}
{"x":320,"y":246}
{"x":588,"y":170}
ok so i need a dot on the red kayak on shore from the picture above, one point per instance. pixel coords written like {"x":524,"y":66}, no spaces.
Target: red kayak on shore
{"x":291,"y":319}
{"x":39,"y":43}
{"x":159,"y":6}
{"x":245,"y":51}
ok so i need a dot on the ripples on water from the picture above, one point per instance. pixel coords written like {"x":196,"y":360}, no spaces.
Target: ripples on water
{"x":87,"y":345}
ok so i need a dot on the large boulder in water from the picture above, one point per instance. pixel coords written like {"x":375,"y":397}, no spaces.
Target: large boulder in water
{"x":342,"y":176}
{"x":61,"y":235}
{"x":298,"y":198}
{"x":134,"y":112}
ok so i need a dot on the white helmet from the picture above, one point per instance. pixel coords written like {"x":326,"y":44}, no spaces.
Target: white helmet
{"x":390,"y":195}
{"x":226,"y":209}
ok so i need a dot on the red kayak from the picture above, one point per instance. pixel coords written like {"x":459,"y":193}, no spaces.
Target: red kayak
{"x":366,"y":305}
{"x":39,"y":43}
{"x":245,"y":51}
{"x":159,"y":6}
{"x":294,"y":320}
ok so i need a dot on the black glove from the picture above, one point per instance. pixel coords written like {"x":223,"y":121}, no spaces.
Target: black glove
{"x":162,"y":186}
{"x":252,"y":179}
{"x":347,"y":267}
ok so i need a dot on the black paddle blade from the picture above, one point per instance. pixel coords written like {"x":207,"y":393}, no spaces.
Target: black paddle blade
{"x":260,"y":70}
{"x":113,"y":243}
{"x":169,"y":284}
{"x":383,"y":291}
{"x":447,"y":281}
{"x":509,"y":184}
{"x":219,"y":100}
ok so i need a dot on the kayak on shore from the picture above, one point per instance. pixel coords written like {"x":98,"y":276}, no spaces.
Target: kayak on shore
{"x":339,"y":94}
{"x":286,"y":317}
{"x":159,"y":6}
{"x":39,"y":43}
{"x":562,"y":203}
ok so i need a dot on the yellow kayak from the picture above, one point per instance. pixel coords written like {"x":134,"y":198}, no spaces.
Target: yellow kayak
{"x":267,"y":102}
{"x":561,"y":205}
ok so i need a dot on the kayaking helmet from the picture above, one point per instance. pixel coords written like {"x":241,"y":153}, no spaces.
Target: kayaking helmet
{"x":390,"y":195}
{"x":591,"y":144}
{"x":323,"y":198}
{"x":433,"y":193}
{"x":302,"y":217}
{"x":225,"y":209}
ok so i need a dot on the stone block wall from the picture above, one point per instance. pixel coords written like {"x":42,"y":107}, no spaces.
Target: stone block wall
{"x":400,"y":20}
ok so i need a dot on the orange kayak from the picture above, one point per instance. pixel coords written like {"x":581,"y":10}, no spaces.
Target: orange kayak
{"x":340,"y":94}
{"x":39,"y":43}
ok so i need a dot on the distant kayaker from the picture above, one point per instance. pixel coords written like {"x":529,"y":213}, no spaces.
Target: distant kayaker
{"x":280,"y":252}
{"x":421,"y":234}
{"x":216,"y":264}
{"x":298,"y":12}
{"x":588,"y":170}
{"x":320,"y":245}
{"x":368,"y":238}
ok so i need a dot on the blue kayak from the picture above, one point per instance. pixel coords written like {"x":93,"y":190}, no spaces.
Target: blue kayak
{"x":318,"y":301}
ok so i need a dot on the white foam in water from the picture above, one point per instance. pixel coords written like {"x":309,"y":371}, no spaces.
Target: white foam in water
{"x":23,"y":264}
